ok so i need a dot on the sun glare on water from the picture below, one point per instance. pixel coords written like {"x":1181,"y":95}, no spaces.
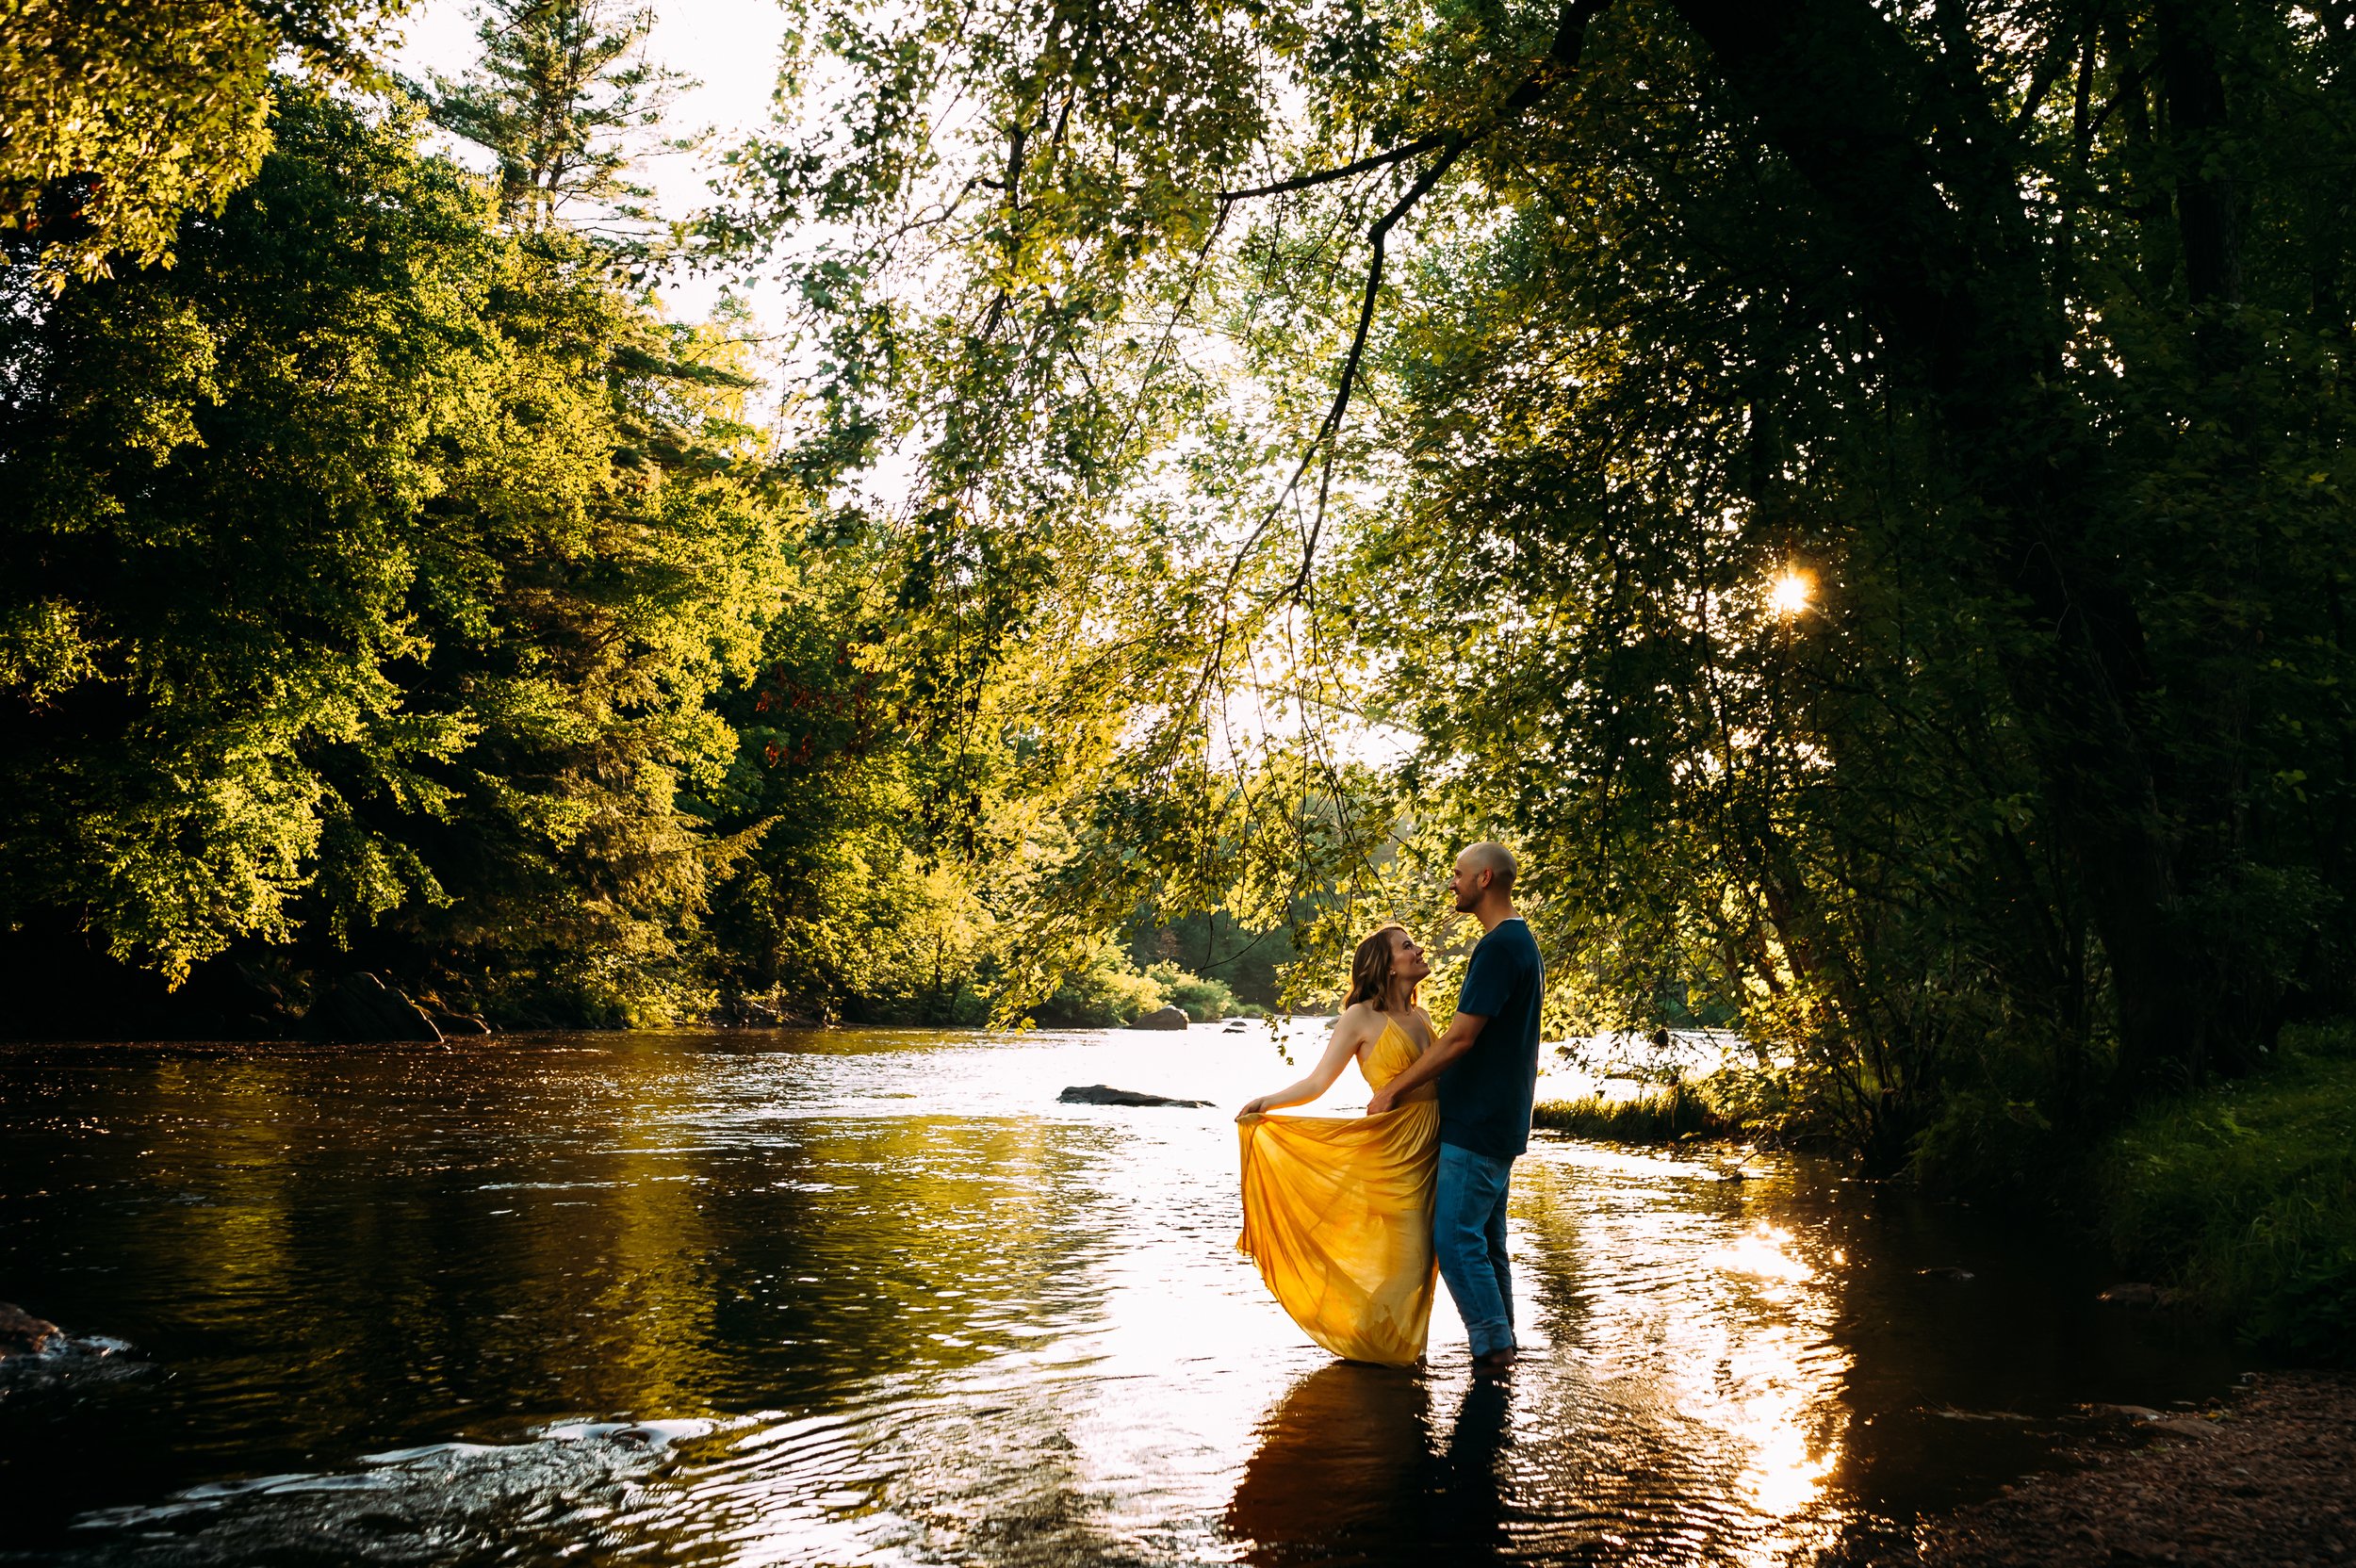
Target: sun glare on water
{"x":1789,"y":594}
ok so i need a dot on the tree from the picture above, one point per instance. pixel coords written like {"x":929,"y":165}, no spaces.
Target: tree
{"x":118,"y":116}
{"x":2018,"y":328}
{"x":559,"y":88}
{"x":368,"y":577}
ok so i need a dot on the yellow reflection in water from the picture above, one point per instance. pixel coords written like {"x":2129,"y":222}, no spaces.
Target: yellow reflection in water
{"x":1713,"y":1332}
{"x":1784,"y":1476}
{"x":1782,"y":1416}
{"x":1339,"y":1456}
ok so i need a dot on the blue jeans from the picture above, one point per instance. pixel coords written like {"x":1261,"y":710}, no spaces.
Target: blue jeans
{"x":1468,"y":1235}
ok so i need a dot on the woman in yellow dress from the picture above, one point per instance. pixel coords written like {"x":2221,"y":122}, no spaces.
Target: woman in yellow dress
{"x":1338,"y":1210}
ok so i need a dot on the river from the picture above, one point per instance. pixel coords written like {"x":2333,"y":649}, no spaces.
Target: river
{"x":875,"y":1298}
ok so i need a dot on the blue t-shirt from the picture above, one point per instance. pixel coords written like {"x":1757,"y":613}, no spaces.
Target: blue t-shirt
{"x":1485,"y":1093}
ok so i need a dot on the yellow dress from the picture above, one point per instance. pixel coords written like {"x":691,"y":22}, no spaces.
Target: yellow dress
{"x":1337,"y":1213}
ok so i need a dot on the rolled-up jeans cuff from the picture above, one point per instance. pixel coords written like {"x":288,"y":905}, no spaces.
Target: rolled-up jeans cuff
{"x":1489,"y":1338}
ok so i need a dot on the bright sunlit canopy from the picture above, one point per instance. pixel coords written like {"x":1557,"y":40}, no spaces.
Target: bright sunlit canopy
{"x":1790,"y":592}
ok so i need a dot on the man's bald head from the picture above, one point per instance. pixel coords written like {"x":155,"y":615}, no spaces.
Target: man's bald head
{"x":1484,"y":870}
{"x":1493,"y":858}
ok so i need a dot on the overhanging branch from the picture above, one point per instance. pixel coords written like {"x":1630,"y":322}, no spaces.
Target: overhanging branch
{"x":1348,"y":170}
{"x":1562,"y":59}
{"x":1328,"y":432}
{"x":1560,"y":62}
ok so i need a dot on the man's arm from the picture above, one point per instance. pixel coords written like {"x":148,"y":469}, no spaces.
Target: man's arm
{"x":1463,"y":1031}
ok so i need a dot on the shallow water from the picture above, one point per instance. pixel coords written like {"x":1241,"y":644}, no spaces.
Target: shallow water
{"x":875,"y":1298}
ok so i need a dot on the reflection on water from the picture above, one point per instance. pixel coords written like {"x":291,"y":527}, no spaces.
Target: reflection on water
{"x":878,"y":1297}
{"x":1337,"y":1467}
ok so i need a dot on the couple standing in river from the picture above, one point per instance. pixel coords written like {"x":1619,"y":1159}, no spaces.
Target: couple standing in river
{"x":1346,"y":1216}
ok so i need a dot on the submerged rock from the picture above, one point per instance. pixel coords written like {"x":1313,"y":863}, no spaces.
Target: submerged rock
{"x":1104,"y":1094}
{"x":2150,"y":1298}
{"x":21,"y":1334}
{"x":1161,"y":1018}
{"x":363,"y":1007}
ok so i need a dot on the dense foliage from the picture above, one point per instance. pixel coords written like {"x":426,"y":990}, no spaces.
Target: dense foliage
{"x":118,"y":116}
{"x":2047,"y":797}
{"x":2010,"y":335}
{"x":366,"y":580}
{"x":386,"y":585}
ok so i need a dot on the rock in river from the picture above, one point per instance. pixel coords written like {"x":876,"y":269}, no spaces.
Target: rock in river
{"x":1103,"y":1094}
{"x":21,"y":1334}
{"x":2148,"y":1297}
{"x":363,"y":1007}
{"x":1161,"y":1018}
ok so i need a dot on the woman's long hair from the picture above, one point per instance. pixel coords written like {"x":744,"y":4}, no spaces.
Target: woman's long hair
{"x":1370,"y":971}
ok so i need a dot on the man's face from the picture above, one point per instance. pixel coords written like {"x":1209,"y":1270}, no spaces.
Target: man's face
{"x":1467,"y":885}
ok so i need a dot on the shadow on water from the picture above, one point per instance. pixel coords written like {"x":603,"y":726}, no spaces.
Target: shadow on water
{"x":1338,"y":1475}
{"x":876,"y":1298}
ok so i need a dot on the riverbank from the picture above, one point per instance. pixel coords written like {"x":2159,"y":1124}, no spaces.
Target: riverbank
{"x":2240,"y":1200}
{"x":2267,"y":1477}
{"x":2236,"y":1201}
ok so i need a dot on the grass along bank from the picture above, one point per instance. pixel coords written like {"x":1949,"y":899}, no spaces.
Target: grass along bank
{"x":1667,"y":1114}
{"x":2243,"y":1197}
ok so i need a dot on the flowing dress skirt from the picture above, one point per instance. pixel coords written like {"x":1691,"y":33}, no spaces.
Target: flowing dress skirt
{"x":1337,"y":1213}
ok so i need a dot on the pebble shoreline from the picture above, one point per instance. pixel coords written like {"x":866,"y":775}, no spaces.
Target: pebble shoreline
{"x":2267,"y":1477}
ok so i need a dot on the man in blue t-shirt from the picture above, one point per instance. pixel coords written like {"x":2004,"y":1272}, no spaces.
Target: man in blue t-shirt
{"x":1487,"y":1064}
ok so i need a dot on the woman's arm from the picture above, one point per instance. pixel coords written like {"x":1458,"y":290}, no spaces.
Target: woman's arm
{"x":1348,"y":1030}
